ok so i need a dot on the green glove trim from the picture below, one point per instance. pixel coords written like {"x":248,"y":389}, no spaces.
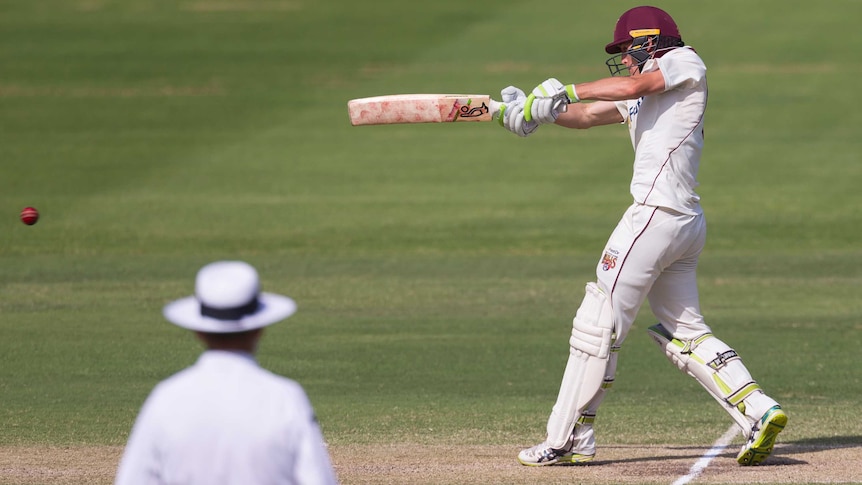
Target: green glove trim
{"x":573,"y":95}
{"x":528,"y":105}
{"x":500,"y":114}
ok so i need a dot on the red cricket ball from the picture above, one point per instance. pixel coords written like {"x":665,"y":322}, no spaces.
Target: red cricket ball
{"x":29,"y":215}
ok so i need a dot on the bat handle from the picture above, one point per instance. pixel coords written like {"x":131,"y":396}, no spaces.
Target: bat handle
{"x":494,"y":108}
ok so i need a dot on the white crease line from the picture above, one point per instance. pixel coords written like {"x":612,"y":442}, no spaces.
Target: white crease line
{"x":703,"y":462}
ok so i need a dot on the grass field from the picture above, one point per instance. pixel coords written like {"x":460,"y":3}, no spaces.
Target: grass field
{"x":436,"y":267}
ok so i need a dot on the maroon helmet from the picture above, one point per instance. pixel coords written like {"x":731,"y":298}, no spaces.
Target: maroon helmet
{"x":642,"y":22}
{"x":651,"y":31}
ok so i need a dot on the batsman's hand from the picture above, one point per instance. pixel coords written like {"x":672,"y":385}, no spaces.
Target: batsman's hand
{"x":548,"y":100}
{"x":513,"y":119}
{"x":512,"y":112}
{"x":546,"y":110}
{"x":512,"y":93}
{"x":509,"y":94}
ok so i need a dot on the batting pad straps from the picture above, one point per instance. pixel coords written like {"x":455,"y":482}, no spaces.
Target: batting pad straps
{"x":716,"y":366}
{"x":587,"y":418}
{"x":611,"y":371}
{"x":738,"y":396}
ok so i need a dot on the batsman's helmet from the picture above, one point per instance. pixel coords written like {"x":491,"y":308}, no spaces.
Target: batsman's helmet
{"x":652,"y":32}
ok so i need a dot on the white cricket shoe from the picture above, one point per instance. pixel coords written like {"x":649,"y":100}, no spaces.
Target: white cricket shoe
{"x":580,"y":448}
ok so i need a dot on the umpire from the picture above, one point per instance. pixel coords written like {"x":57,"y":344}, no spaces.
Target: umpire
{"x":226,"y":420}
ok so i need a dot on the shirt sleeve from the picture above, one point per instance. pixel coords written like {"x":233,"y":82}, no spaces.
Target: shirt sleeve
{"x":623,"y":108}
{"x":139,"y":465}
{"x":681,"y":68}
{"x":313,"y":465}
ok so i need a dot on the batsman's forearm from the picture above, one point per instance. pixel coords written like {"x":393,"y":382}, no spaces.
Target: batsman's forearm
{"x":608,"y":89}
{"x":621,"y":88}
{"x":587,"y":115}
{"x":576,"y":116}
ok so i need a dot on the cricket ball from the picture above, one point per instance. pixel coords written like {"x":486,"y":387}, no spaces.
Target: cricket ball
{"x":29,"y":215}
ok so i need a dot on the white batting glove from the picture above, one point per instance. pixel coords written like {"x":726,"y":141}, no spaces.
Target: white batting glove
{"x":549,"y":88}
{"x":546,"y":110}
{"x":513,"y":119}
{"x":512,"y":93}
{"x":548,"y":100}
{"x":509,"y":94}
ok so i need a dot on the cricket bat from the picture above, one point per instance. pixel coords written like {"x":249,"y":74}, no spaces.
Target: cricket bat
{"x":422,"y":108}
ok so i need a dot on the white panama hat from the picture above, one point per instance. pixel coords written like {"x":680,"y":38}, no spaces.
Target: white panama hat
{"x":228,"y":299}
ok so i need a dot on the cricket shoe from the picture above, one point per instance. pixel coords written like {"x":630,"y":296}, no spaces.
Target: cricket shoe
{"x":580,"y":448}
{"x":543,"y":455}
{"x":762,"y":438}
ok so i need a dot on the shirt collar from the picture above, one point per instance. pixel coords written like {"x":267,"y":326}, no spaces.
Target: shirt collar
{"x":214,"y":356}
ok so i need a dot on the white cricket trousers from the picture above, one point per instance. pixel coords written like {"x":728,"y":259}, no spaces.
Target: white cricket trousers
{"x":653,"y":254}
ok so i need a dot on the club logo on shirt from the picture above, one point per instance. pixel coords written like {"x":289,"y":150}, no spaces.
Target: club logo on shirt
{"x":609,"y":261}
{"x":633,"y":109}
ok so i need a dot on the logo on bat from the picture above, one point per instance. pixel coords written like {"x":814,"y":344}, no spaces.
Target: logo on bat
{"x":473,"y":111}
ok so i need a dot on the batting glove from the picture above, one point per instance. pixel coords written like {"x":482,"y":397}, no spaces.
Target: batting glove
{"x":548,"y":100}
{"x":513,"y":119}
{"x":509,"y":94}
{"x":512,"y":93}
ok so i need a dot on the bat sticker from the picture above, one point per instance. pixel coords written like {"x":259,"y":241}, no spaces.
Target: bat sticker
{"x":473,"y":112}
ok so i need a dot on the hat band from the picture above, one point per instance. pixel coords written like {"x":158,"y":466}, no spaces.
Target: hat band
{"x":234,"y":313}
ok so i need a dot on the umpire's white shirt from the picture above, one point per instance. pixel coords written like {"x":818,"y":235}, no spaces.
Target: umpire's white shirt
{"x":226,"y":420}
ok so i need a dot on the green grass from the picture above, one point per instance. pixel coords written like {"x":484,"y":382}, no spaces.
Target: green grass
{"x":436,"y":267}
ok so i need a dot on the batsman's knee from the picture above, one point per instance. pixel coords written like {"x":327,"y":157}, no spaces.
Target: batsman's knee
{"x":593,"y":325}
{"x":593,"y":331}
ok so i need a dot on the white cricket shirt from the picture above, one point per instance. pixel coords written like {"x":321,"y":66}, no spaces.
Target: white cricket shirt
{"x":226,"y":420}
{"x":667,"y":133}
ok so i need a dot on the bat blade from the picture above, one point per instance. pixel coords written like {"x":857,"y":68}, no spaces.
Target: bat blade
{"x":421,"y":108}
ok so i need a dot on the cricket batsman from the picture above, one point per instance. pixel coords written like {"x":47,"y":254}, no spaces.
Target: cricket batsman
{"x":658,"y":89}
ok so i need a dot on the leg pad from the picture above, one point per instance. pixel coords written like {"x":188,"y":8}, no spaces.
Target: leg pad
{"x":716,"y":366}
{"x":585,"y":374}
